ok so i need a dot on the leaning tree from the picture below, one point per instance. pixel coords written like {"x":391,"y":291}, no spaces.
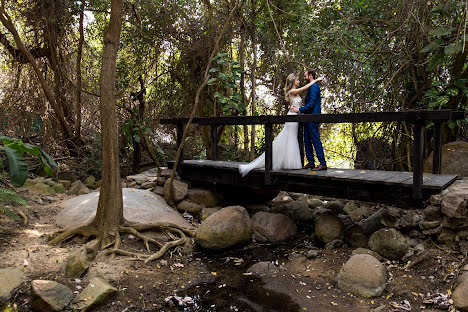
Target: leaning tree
{"x":109,"y":221}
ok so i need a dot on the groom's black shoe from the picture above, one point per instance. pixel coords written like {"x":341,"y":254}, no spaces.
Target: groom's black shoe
{"x":308,"y":166}
{"x":319,"y":167}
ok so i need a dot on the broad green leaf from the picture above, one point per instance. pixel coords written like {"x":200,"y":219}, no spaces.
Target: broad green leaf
{"x":452,"y":92}
{"x":211,"y":81}
{"x":441,"y":31}
{"x":17,"y":167}
{"x":451,"y":124}
{"x":431,"y":93}
{"x":214,"y":69}
{"x":136,"y":138}
{"x":221,"y":61}
{"x":222,"y":76}
{"x":432,"y":46}
{"x":429,"y":124}
{"x":453,"y":48}
{"x":217,"y":94}
{"x":236,"y":97}
{"x":462,"y":85}
{"x":435,"y":61}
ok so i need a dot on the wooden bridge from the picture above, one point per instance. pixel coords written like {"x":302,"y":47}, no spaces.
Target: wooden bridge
{"x":394,"y":187}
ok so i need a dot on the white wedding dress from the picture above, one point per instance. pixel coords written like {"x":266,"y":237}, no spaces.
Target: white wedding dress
{"x":286,"y":153}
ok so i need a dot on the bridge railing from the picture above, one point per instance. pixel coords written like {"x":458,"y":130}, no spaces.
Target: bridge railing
{"x":417,"y":118}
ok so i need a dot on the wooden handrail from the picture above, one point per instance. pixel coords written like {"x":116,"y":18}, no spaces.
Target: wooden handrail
{"x":416,"y":117}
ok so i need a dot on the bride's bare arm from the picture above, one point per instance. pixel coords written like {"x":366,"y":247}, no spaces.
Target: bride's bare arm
{"x":307,"y":86}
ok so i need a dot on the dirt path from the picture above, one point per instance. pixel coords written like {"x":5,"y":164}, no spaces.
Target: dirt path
{"x":216,"y":282}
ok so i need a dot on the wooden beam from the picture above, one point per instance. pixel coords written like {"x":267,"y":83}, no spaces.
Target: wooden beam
{"x":437,"y":157}
{"x":418,"y":160}
{"x":214,"y":142}
{"x":180,"y":134}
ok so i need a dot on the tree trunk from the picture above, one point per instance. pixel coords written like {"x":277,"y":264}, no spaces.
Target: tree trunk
{"x":253,"y":96}
{"x":242,"y":88}
{"x":78,"y":74}
{"x":109,"y":213}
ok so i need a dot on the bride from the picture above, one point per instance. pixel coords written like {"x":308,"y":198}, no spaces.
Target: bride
{"x":286,"y":153}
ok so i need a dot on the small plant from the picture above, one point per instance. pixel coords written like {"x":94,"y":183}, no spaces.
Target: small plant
{"x":8,"y":197}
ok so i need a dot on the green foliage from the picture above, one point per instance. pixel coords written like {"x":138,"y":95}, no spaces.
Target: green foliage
{"x":8,"y":197}
{"x":18,"y":168}
{"x":227,"y":74}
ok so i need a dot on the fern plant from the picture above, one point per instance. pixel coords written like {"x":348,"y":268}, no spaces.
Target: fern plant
{"x":8,"y":197}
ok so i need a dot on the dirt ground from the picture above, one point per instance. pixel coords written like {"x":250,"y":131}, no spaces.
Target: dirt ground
{"x":219,"y":282}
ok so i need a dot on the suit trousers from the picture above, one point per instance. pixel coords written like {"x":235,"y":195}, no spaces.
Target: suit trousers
{"x":311,"y":142}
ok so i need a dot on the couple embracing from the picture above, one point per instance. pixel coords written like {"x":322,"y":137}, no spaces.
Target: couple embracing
{"x":286,"y":154}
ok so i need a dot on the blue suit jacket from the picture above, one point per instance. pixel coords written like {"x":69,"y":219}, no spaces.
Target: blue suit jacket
{"x":313,"y":101}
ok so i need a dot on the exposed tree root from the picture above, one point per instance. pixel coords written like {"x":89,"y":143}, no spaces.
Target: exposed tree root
{"x":178,"y":236}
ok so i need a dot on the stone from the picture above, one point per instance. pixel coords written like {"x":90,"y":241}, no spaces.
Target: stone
{"x":257,"y":207}
{"x":189,"y":206}
{"x":365,"y":251}
{"x":363,"y":275}
{"x":105,"y":271}
{"x":329,"y":227}
{"x":454,"y":156}
{"x":263,"y":268}
{"x":389,"y":243}
{"x":297,"y":211}
{"x":58,"y":188}
{"x":335,"y":205}
{"x":455,"y":204}
{"x":49,"y":296}
{"x":160,"y":181}
{"x":228,"y":227}
{"x":446,"y":236}
{"x":95,"y":294}
{"x":142,"y":178}
{"x":312,"y":254}
{"x":78,"y":188}
{"x":91,"y":180}
{"x":426,"y":225}
{"x":206,"y":212}
{"x":315,"y":203}
{"x":66,"y":175}
{"x":432,"y":212}
{"x":148,"y":185}
{"x":357,"y":211}
{"x":460,"y":296}
{"x":355,"y":236}
{"x":37,"y":199}
{"x":40,"y":188}
{"x":435,"y":199}
{"x":140,"y":206}
{"x":158,"y":190}
{"x":336,"y":243}
{"x":180,"y":190}
{"x":281,"y":199}
{"x":10,"y":278}
{"x":80,"y":259}
{"x":203,"y":197}
{"x":272,"y":227}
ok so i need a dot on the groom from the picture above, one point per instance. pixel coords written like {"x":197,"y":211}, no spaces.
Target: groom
{"x":311,"y":132}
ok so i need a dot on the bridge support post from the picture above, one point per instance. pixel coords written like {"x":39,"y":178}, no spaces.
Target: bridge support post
{"x":418,"y":160}
{"x":437,"y":158}
{"x":300,"y":138}
{"x":268,"y":152}
{"x":214,"y":142}
{"x":180,"y":134}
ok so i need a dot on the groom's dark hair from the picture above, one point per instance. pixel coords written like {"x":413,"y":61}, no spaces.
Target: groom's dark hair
{"x":311,"y":72}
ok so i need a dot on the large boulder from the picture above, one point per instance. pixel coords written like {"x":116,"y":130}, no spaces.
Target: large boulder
{"x":329,"y":227}
{"x":180,"y":189}
{"x":460,"y":295}
{"x":300,"y":212}
{"x":455,"y":204}
{"x":10,"y":278}
{"x":203,"y":197}
{"x":140,"y":206}
{"x":95,"y":294}
{"x":363,"y":275}
{"x":454,"y":156}
{"x":40,"y":188}
{"x":225,"y":228}
{"x":390,"y":243}
{"x":357,"y":211}
{"x":272,"y":227}
{"x":78,"y":188}
{"x":49,"y":296}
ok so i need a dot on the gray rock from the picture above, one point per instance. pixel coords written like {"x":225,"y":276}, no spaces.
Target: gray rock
{"x":206,"y":212}
{"x":78,"y":188}
{"x":40,"y":188}
{"x":142,"y":178}
{"x":257,"y":207}
{"x":298,"y":211}
{"x":80,"y":259}
{"x":281,"y":199}
{"x":426,"y":225}
{"x":365,"y":251}
{"x":91,"y":180}
{"x":180,"y":190}
{"x":390,"y":243}
{"x":315,"y":203}
{"x":139,"y":206}
{"x":446,"y":236}
{"x":460,"y":296}
{"x":225,"y":228}
{"x":263,"y":268}
{"x":336,"y":206}
{"x":158,"y":190}
{"x":203,"y":197}
{"x":363,"y":275}
{"x":49,"y":296}
{"x":454,"y":156}
{"x":336,"y":243}
{"x":272,"y":227}
{"x":148,"y":185}
{"x":355,"y":236}
{"x":432,"y":212}
{"x":58,"y":188}
{"x":329,"y":227}
{"x":455,"y":204}
{"x":189,"y":206}
{"x":312,"y":254}
{"x":105,"y":271}
{"x":10,"y":278}
{"x":95,"y":294}
{"x":357,"y":211}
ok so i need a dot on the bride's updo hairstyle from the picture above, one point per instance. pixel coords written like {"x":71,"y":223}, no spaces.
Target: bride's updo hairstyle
{"x":289,"y":85}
